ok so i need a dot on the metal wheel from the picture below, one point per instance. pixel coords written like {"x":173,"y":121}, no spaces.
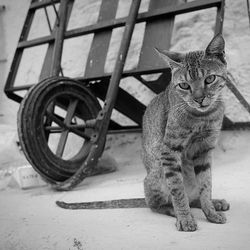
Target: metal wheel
{"x":55,"y":122}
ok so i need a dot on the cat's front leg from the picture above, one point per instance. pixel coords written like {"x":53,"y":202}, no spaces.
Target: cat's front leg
{"x":202,"y":168}
{"x":171,"y":166}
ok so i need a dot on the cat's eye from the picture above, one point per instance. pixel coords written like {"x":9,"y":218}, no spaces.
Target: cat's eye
{"x":184,"y":85}
{"x":210,"y":79}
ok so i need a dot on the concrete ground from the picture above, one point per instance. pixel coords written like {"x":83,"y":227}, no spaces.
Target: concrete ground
{"x":30,"y":219}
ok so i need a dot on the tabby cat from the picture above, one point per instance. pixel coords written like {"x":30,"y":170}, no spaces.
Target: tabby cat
{"x":180,"y":130}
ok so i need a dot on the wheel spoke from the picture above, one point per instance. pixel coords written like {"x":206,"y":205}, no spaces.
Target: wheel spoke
{"x":56,"y":118}
{"x":67,"y":121}
{"x":62,"y":143}
{"x":53,"y":129}
{"x":70,"y":111}
{"x":80,"y":133}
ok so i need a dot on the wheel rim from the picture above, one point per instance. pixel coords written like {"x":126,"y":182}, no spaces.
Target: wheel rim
{"x":66,"y":124}
{"x":69,"y":114}
{"x":63,"y":109}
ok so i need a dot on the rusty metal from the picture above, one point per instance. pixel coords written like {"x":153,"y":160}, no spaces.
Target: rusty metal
{"x":47,"y":18}
{"x":56,"y":13}
{"x":220,"y":18}
{"x":57,"y":53}
{"x":231,"y":82}
{"x":248,"y":11}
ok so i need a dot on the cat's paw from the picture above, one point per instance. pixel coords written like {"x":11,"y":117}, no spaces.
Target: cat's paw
{"x":217,"y":217}
{"x":221,"y":205}
{"x":187,"y":224}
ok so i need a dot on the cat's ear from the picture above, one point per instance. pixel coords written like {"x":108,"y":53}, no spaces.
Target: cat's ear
{"x":173,"y":59}
{"x":216,"y":48}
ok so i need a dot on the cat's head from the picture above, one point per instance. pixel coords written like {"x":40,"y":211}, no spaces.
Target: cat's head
{"x":197,"y":76}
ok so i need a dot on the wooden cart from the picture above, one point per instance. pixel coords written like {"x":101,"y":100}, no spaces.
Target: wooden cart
{"x":84,"y":116}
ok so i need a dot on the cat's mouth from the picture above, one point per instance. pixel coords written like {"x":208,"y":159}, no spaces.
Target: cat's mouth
{"x":202,"y":107}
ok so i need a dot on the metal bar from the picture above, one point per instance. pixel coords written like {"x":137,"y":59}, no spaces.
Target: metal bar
{"x":126,"y":130}
{"x":104,"y":77}
{"x":13,"y":96}
{"x":47,"y":18}
{"x":36,"y":42}
{"x":55,"y":10}
{"x":230,"y":84}
{"x":72,"y":126}
{"x":20,"y":88}
{"x":53,"y":129}
{"x":220,"y":18}
{"x":58,"y":120}
{"x":248,"y":10}
{"x":126,"y":73}
{"x":41,"y":4}
{"x":57,"y":53}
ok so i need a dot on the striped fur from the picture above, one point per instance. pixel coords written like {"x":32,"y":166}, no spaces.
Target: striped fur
{"x":180,"y":129}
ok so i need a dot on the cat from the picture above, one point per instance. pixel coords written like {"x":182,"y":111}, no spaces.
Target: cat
{"x":180,"y":128}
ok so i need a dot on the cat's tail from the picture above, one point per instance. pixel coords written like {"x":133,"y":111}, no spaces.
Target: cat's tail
{"x":121,"y":203}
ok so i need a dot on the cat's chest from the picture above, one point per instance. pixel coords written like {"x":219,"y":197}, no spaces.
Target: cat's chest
{"x":203,"y":136}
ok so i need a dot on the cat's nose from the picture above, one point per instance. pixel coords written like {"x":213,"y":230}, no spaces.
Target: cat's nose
{"x":199,"y":100}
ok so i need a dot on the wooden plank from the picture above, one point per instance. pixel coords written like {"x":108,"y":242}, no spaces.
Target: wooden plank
{"x":145,"y":16}
{"x":100,"y":44}
{"x":158,"y":34}
{"x":116,"y":23}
